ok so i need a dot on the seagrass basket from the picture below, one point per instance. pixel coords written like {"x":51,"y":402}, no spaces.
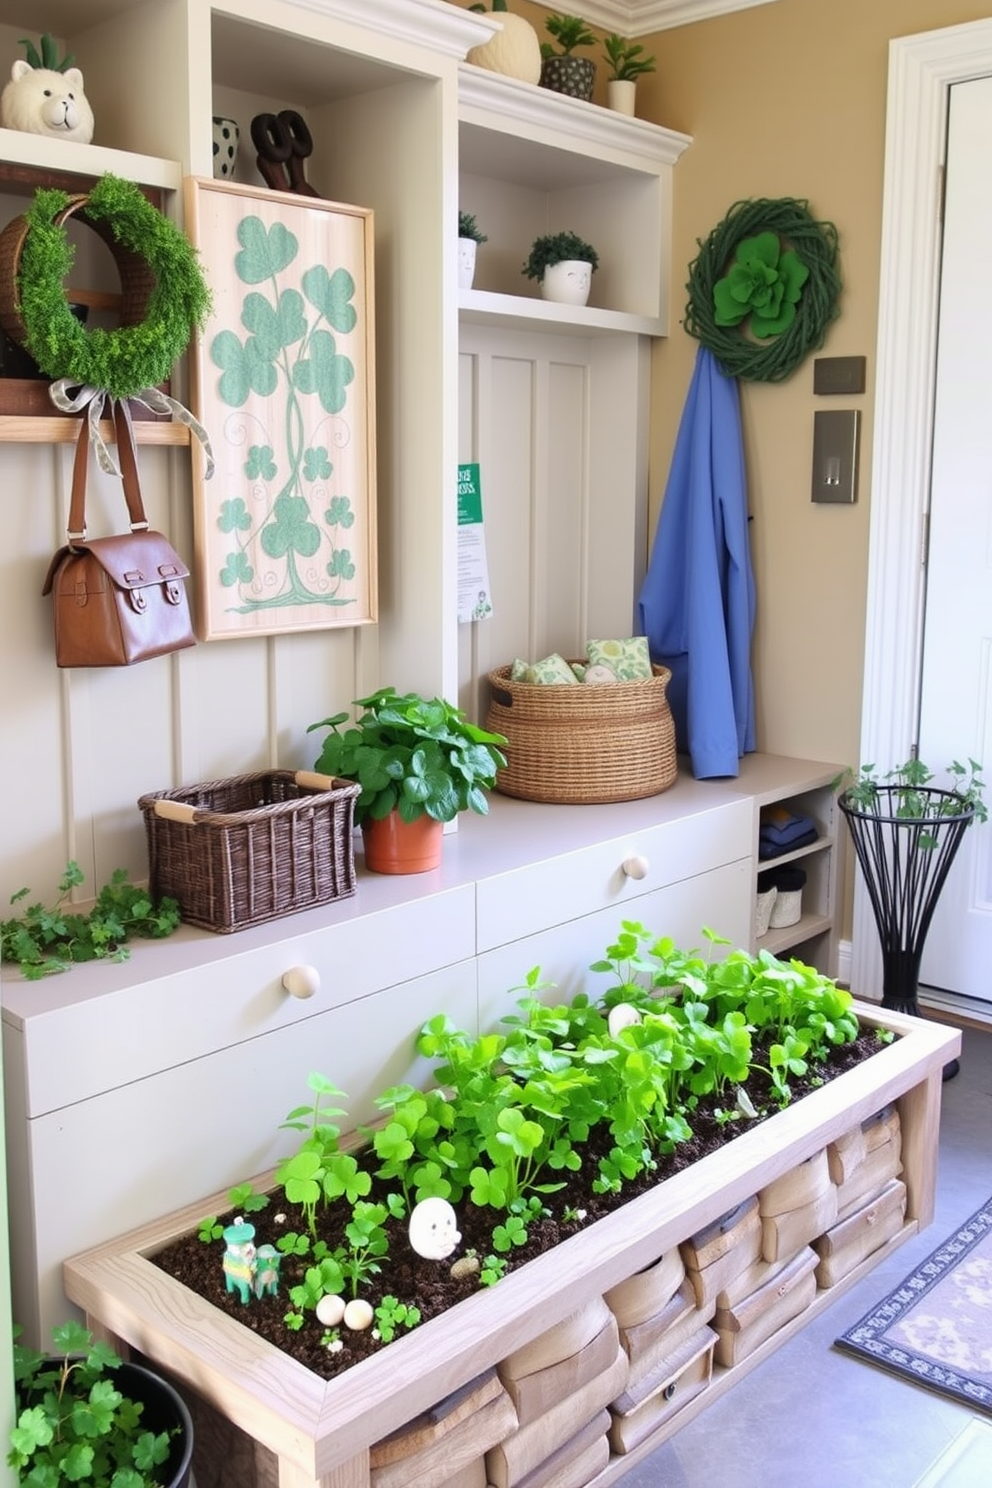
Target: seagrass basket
{"x":251,"y":848}
{"x":584,"y":745}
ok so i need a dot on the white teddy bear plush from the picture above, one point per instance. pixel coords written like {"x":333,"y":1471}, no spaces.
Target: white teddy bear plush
{"x":39,"y":100}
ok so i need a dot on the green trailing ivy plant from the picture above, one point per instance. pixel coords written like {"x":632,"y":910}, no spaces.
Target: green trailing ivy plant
{"x":43,"y":939}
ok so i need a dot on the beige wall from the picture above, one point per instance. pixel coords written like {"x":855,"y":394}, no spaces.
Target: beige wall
{"x":787,"y":99}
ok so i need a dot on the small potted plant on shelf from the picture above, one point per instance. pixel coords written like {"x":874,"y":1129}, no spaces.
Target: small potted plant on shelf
{"x":470,"y":236}
{"x":85,"y":1416}
{"x":563,"y":263}
{"x":419,"y":762}
{"x":561,"y":70}
{"x":627,"y":63}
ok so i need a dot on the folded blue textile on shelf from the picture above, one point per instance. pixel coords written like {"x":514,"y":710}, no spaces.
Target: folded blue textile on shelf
{"x":772,"y":849}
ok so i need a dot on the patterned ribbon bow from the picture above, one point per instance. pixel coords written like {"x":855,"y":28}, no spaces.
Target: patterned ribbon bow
{"x":95,"y":400}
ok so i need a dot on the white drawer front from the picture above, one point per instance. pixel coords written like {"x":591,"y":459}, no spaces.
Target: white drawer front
{"x":720,"y":900}
{"x":214,"y":1122}
{"x":77,"y":1051}
{"x":525,"y":900}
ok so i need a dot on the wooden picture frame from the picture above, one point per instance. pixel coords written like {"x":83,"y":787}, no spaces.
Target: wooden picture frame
{"x":282,"y":378}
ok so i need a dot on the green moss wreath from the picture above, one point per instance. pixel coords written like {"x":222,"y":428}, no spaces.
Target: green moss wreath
{"x":124,"y":361}
{"x":763,"y":288}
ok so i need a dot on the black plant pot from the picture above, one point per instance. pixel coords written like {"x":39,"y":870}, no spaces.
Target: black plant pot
{"x":572,"y":75}
{"x":164,"y":1409}
{"x":905,"y":861}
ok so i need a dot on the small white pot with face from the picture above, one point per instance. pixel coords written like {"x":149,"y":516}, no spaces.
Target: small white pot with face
{"x":567,"y":282}
{"x":467,"y":248}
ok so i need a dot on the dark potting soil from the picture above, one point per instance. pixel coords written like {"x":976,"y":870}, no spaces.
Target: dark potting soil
{"x":429,"y":1285}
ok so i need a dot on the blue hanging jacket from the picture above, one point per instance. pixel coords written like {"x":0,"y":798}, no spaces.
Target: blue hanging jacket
{"x":697,"y":602}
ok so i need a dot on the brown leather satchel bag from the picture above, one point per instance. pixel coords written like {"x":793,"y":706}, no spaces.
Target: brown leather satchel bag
{"x":117,"y":600}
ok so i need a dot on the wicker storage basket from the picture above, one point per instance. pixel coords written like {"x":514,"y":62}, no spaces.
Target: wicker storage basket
{"x":251,"y":848}
{"x":583,"y":745}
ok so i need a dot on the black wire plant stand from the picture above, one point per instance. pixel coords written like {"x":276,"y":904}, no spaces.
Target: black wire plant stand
{"x":905,"y":859}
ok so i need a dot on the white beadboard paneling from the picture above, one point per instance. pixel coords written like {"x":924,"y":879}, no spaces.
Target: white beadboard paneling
{"x":32,"y":757}
{"x":556,"y":422}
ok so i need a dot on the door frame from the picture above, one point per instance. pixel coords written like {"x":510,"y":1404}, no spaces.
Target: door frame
{"x":922,"y":69}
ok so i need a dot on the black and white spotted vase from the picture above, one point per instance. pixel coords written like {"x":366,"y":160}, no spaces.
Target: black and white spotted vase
{"x":575,"y":76}
{"x":226,"y":136}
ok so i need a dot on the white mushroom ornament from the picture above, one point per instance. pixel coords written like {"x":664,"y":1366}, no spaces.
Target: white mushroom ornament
{"x":622,"y":1015}
{"x":433,"y":1229}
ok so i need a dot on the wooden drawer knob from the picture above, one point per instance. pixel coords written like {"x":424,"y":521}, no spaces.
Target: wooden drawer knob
{"x":301,"y":981}
{"x":636,"y":867}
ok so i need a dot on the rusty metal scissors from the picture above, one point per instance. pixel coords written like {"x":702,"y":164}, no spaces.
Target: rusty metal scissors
{"x":284,"y":143}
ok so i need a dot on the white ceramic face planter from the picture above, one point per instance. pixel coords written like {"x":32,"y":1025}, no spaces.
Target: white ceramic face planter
{"x":568,"y":282}
{"x":466,"y":262}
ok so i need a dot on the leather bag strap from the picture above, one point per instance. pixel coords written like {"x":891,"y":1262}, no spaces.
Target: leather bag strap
{"x":76,"y":530}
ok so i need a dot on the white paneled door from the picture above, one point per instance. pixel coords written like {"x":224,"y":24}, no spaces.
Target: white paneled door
{"x":956,"y":687}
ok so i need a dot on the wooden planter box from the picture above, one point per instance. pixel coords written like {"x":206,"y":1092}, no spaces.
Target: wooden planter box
{"x":322,"y":1431}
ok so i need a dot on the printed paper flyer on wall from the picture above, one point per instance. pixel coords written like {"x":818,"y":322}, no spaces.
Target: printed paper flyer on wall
{"x":474,"y":599}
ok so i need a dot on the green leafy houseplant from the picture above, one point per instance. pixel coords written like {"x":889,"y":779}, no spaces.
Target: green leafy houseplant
{"x":561,"y":70}
{"x":46,"y":939}
{"x":469,"y":228}
{"x":77,"y":1423}
{"x":414,"y":755}
{"x":556,"y":248}
{"x":626,"y":58}
{"x":569,"y":32}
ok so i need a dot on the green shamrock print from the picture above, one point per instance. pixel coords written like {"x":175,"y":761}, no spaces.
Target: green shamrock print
{"x":288,"y":354}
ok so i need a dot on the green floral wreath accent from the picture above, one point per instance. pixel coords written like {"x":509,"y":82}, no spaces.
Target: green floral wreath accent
{"x":763,"y":288}
{"x":125,"y":361}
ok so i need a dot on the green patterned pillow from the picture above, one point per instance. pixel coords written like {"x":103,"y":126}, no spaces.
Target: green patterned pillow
{"x":629,"y":660}
{"x":554,"y":669}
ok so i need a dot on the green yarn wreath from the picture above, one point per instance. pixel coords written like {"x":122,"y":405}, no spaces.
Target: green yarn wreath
{"x":124,"y":361}
{"x":763,"y":288}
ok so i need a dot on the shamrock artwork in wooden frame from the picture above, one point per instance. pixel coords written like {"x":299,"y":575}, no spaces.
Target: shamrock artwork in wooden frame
{"x":282,"y":378}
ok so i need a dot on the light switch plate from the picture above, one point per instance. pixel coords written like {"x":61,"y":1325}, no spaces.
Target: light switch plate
{"x":842,"y":374}
{"x":835,"y":455}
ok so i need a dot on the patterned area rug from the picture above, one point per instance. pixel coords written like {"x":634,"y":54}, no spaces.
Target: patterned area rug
{"x":936,"y":1327}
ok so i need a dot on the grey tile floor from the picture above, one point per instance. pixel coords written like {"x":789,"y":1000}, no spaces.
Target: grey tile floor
{"x":809,"y":1416}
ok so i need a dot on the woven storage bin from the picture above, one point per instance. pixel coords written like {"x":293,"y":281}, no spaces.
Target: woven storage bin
{"x":583,"y":745}
{"x":251,"y":848}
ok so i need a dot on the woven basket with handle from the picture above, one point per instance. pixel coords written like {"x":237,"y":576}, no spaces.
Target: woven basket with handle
{"x":582,"y":745}
{"x":250,"y":848}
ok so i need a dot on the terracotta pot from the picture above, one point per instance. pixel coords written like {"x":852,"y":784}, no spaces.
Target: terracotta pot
{"x":395,"y":846}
